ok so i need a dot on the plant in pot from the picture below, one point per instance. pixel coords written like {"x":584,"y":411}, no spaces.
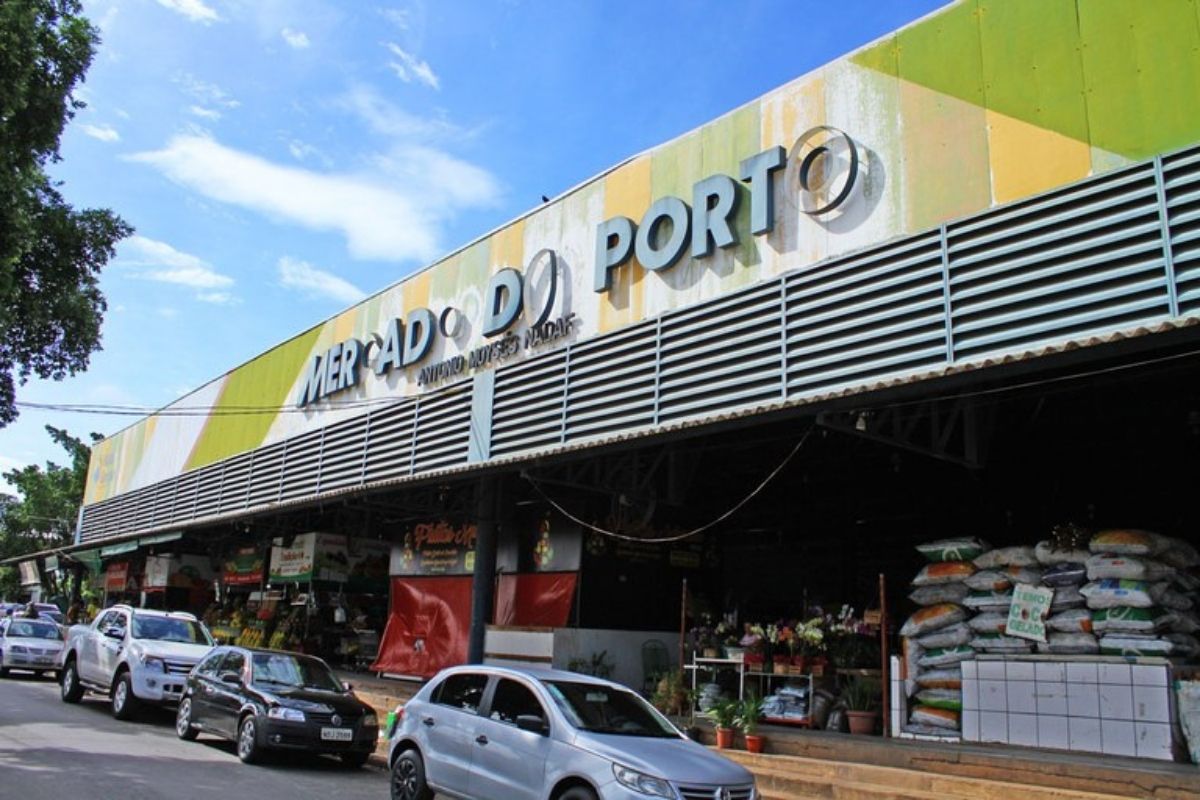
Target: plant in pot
{"x":723,"y":713}
{"x":748,"y":713}
{"x":862,"y":703}
{"x":672,"y":695}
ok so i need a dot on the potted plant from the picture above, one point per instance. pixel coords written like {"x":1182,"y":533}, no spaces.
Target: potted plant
{"x":862,"y":703}
{"x":672,"y":695}
{"x":748,"y":714}
{"x":723,"y":713}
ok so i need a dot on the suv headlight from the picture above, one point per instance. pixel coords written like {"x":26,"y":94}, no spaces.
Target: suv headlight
{"x":154,"y":664}
{"x":290,"y":714}
{"x":641,"y":782}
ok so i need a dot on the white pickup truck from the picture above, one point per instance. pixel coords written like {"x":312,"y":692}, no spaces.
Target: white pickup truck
{"x":133,"y":655}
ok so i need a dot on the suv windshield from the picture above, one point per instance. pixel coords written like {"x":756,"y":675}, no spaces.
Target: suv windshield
{"x":169,"y":629}
{"x":605,"y":709}
{"x":293,"y":672}
{"x":33,"y":630}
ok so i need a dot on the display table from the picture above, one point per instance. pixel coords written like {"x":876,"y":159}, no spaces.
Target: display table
{"x":764,"y":680}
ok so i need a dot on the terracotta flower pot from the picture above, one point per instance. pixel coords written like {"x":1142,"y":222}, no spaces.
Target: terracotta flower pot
{"x":862,"y":722}
{"x":724,"y":738}
{"x":754,"y":742}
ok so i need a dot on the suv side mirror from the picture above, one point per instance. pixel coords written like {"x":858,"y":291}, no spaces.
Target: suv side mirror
{"x":114,"y":633}
{"x":533,"y":723}
{"x":232,"y":678}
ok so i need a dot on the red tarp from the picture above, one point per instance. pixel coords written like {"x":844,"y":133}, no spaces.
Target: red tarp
{"x":428,"y":626}
{"x":430,"y":618}
{"x":541,"y":599}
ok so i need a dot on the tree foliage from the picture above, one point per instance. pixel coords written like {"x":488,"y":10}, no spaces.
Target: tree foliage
{"x":51,"y":254}
{"x":45,"y":514}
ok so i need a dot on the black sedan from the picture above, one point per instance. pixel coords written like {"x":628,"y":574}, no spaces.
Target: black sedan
{"x":268,"y":699}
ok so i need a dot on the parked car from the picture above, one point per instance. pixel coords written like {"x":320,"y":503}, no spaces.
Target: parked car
{"x":133,"y":655}
{"x":274,"y":700}
{"x":525,"y":734}
{"x":33,"y":645}
{"x":50,"y":611}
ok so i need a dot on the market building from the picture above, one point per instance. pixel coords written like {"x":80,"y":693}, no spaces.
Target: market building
{"x":947,"y":285}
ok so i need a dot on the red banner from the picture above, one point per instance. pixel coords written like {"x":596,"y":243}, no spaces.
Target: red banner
{"x":116,"y":576}
{"x":538,"y":599}
{"x":427,"y":627}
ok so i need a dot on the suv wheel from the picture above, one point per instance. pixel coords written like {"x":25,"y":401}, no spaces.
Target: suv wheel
{"x":247,"y":740}
{"x":408,"y":778}
{"x":124,"y":704}
{"x":72,"y":689}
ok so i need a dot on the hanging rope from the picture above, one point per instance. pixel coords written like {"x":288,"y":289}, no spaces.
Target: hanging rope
{"x":681,"y":536}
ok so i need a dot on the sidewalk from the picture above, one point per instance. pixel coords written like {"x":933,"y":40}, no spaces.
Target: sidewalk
{"x":383,"y":695}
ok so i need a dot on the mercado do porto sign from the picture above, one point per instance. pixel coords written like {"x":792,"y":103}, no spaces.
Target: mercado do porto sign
{"x":821,"y":171}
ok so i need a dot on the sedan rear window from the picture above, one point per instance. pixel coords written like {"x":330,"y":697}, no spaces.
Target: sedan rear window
{"x":605,"y":709}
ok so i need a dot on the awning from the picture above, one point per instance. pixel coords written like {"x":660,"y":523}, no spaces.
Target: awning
{"x":89,"y":558}
{"x":118,"y":549}
{"x":160,"y":538}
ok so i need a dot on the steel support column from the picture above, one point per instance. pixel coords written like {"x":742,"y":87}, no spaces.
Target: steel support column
{"x":483,"y":587}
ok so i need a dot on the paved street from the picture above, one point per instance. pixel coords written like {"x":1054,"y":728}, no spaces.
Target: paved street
{"x":50,"y":750}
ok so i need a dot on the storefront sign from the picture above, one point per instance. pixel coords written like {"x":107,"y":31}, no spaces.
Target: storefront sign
{"x":436,"y":548}
{"x":244,"y":568}
{"x":293,"y":562}
{"x":117,"y":576}
{"x":552,"y":544}
{"x":1027,"y":614}
{"x":158,"y":572}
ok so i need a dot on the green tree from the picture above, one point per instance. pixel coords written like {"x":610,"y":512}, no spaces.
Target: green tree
{"x":51,"y":254}
{"x":45,"y":513}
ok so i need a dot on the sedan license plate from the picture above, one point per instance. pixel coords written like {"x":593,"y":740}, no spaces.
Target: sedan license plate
{"x":337,"y":734}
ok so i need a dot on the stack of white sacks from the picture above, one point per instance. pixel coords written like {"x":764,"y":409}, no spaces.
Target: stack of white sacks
{"x":1130,"y":593}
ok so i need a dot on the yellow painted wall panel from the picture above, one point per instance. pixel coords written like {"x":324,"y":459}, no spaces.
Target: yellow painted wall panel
{"x":626,"y":194}
{"x":1027,"y":160}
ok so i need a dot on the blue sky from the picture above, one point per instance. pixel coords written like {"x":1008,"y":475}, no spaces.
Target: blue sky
{"x":281,"y":159}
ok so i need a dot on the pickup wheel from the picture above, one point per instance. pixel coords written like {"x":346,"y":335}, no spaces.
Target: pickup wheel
{"x":124,"y":704}
{"x":72,"y":689}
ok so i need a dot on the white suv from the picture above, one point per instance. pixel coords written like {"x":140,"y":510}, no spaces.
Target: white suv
{"x":133,"y":655}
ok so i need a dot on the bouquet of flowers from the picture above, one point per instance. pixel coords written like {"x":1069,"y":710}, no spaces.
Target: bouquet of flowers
{"x":704,"y":636}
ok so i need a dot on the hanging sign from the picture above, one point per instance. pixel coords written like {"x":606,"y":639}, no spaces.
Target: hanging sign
{"x":552,"y":542}
{"x":1027,"y":614}
{"x":293,"y":562}
{"x":116,"y":577}
{"x":244,"y":567}
{"x":435,"y":548}
{"x":158,"y":572}
{"x":29,"y":573}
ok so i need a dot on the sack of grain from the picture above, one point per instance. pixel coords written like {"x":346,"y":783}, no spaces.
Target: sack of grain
{"x":1185,"y":644}
{"x":1007,"y":557}
{"x":1065,"y":573}
{"x":1002,"y":579}
{"x":1046,"y":554}
{"x":949,"y":636}
{"x":989,"y":622}
{"x":1134,"y":568}
{"x":931,"y":618}
{"x":1128,"y":543}
{"x":943,"y":572}
{"x":938,"y":593}
{"x":1077,"y":620}
{"x":950,"y":699}
{"x":1110,"y":593}
{"x":943,"y":678}
{"x":963,"y":548}
{"x":1125,"y":644}
{"x":945,"y":656}
{"x":999,"y":643}
{"x":1066,"y":597}
{"x":942,"y":718}
{"x":1180,"y":554}
{"x":1070,"y":644}
{"x":1123,"y":619}
{"x":982,"y":601}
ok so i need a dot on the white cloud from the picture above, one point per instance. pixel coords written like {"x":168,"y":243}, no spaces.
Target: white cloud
{"x":159,"y":261}
{"x":208,"y":94}
{"x":396,"y":221}
{"x":397,"y":16}
{"x":219,"y":298}
{"x":409,"y":67}
{"x":105,"y":133}
{"x":316,"y":283}
{"x":205,"y":113}
{"x":387,"y":119}
{"x":295,"y":38}
{"x":194,"y":10}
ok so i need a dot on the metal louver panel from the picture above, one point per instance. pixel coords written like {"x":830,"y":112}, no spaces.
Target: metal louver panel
{"x":389,"y":442}
{"x":443,"y":428}
{"x":1067,"y":264}
{"x":342,"y":461}
{"x":164,"y":503}
{"x":611,"y":383}
{"x":721,"y":355}
{"x":234,"y":481}
{"x":208,"y":491}
{"x":266,"y":475}
{"x":863,"y":318}
{"x":1181,"y":188}
{"x":301,"y":460}
{"x":527,"y":407}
